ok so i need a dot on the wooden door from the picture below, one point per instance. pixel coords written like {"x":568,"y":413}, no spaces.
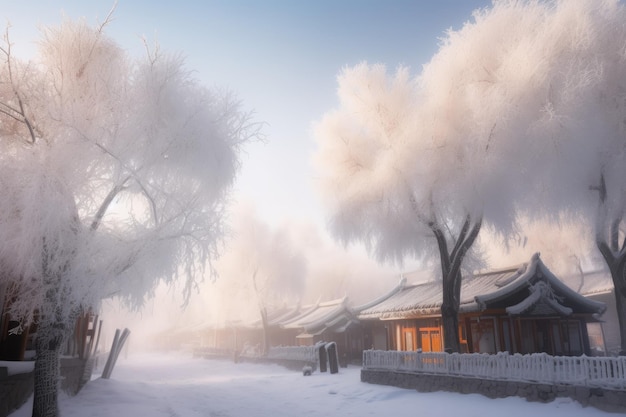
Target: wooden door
{"x":408,"y":339}
{"x":431,"y":339}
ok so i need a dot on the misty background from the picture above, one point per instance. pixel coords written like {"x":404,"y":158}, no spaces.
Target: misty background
{"x":282,"y":60}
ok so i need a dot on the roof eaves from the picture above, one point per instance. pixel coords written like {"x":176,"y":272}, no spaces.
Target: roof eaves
{"x":332,"y":315}
{"x":525,"y":274}
{"x":410,"y":314}
{"x":292,"y":323}
{"x":598,"y":306}
{"x":401,"y":285}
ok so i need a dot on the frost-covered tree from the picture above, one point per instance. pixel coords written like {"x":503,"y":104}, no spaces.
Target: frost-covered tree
{"x":262,"y":269}
{"x":415,"y":164}
{"x":607,"y":108}
{"x":579,"y":144}
{"x":410,"y":166}
{"x":396,"y":182}
{"x":114,"y":176}
{"x":560,"y":84}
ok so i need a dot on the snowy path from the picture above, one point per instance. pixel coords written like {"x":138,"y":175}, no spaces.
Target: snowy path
{"x":176,"y":386}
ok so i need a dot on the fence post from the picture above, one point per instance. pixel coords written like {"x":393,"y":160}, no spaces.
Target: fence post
{"x":333,"y":357}
{"x":107,"y":366}
{"x":116,"y":349}
{"x":585,"y":367}
{"x":323,"y":357}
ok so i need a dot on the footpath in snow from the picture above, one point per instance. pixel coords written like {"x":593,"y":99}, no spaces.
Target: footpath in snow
{"x":176,"y":385}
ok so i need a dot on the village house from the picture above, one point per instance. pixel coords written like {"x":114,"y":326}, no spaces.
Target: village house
{"x":524,"y":309}
{"x":306,"y":325}
{"x":521,"y":309}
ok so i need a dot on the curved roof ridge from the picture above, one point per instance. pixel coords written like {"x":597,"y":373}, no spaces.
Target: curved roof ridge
{"x":521,"y":280}
{"x":399,"y":287}
{"x":495,"y":271}
{"x":557,"y":283}
{"x":539,"y":292}
{"x":336,"y":301}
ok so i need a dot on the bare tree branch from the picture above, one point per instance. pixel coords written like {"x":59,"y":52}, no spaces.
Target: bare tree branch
{"x":465,"y":245}
{"x":106,"y":203}
{"x":21,"y":112}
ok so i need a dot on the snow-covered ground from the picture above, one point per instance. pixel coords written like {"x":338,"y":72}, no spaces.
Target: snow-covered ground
{"x":181,"y":386}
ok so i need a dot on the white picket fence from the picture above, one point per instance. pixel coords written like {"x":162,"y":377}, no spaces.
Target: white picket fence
{"x":605,"y":372}
{"x":293,"y":353}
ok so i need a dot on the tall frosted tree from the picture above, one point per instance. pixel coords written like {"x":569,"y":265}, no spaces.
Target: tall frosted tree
{"x":498,"y":124}
{"x":408,"y":164}
{"x":571,"y":144}
{"x":395,"y":183}
{"x":581,"y":142}
{"x":264,"y":268}
{"x":115,"y":174}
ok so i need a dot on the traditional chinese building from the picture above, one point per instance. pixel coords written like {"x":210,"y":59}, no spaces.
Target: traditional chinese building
{"x":524,"y":309}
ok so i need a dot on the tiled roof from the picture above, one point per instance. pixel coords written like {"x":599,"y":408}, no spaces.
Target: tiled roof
{"x":318,"y":315}
{"x":478,"y":291}
{"x":401,"y":285}
{"x":425,"y":298}
{"x":276,"y":317}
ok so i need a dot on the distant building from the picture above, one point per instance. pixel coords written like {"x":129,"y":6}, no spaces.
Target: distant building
{"x":522,"y":309}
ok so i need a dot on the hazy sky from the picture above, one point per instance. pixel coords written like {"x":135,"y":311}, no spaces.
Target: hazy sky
{"x":281,"y":58}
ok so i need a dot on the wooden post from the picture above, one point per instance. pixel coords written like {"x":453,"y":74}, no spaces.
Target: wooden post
{"x":95,"y":346}
{"x":116,"y":348}
{"x":106,"y":372}
{"x":92,"y":333}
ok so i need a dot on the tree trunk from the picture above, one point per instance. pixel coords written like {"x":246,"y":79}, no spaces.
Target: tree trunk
{"x":263,"y":312}
{"x":450,"y":314}
{"x":620,"y":302}
{"x":618,"y":274}
{"x":450,"y":319}
{"x":451,"y":277}
{"x":47,"y":373}
{"x":266,"y":336}
{"x":614,"y":254}
{"x":52,"y":329}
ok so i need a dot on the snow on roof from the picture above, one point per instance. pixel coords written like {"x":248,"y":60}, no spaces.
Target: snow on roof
{"x":540,"y":302}
{"x":276,"y":316}
{"x":554,"y":291}
{"x":321,"y":315}
{"x":419,"y":276}
{"x":378,"y":300}
{"x":333,"y":314}
{"x":483,"y":289}
{"x":425,"y":298}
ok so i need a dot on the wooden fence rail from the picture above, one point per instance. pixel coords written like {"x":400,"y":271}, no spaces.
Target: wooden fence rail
{"x":605,"y":372}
